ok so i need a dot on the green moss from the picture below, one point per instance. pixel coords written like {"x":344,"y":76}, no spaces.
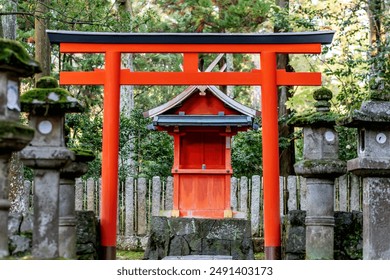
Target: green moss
{"x":322,"y":94}
{"x":320,"y":168}
{"x":47,"y":82}
{"x":9,"y":129}
{"x":14,"y":136}
{"x":14,"y":58}
{"x":380,"y":95}
{"x":360,"y":118}
{"x":322,"y":162}
{"x":49,"y":99}
{"x":313,"y":119}
{"x":44,"y":95}
{"x":260,"y":256}
{"x":129,"y":255}
{"x":83,"y":155}
{"x":322,"y":104}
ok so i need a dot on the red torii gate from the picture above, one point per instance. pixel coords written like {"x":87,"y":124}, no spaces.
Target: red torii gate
{"x":190,"y":45}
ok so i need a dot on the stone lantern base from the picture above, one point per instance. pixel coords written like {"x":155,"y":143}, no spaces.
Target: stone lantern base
{"x":189,"y":237}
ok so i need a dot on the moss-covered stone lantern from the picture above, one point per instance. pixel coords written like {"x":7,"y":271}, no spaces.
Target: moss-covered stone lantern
{"x":46,"y":106}
{"x":15,"y":63}
{"x":320,"y":166}
{"x":67,"y":219}
{"x":373,"y":164}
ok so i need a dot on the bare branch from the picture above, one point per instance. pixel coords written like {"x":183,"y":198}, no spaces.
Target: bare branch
{"x":16,"y":13}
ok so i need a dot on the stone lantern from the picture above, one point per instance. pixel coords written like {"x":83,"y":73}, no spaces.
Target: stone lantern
{"x":14,"y":64}
{"x":46,"y":106}
{"x":373,"y":164}
{"x":320,"y":165}
{"x":67,"y":220}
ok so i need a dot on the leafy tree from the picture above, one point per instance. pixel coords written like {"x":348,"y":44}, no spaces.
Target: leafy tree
{"x":356,"y":63}
{"x":153,"y":150}
{"x":246,"y":153}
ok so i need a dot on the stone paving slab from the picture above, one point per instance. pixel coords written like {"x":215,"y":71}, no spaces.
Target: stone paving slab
{"x":199,"y":257}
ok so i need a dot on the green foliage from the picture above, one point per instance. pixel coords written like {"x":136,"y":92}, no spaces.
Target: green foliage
{"x":347,"y":142}
{"x":379,"y":59}
{"x":86,"y":133}
{"x":247,"y":153}
{"x":151,"y":151}
{"x":214,"y":16}
{"x":353,"y":68}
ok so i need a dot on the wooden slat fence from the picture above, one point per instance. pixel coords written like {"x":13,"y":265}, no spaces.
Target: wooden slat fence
{"x":141,"y":198}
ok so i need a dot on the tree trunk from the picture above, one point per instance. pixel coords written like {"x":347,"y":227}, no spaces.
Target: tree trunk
{"x":256,"y":90}
{"x":377,"y":19}
{"x":42,"y":44}
{"x":287,"y":154}
{"x":127,"y":95}
{"x":8,"y":22}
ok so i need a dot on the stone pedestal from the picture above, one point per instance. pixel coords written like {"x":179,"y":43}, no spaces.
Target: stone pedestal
{"x":47,"y":154}
{"x":348,"y":235}
{"x":14,"y":63}
{"x":45,"y":232}
{"x":178,"y":237}
{"x":373,"y":164}
{"x":4,"y":207}
{"x":320,"y":166}
{"x":376,"y":218}
{"x":67,"y":218}
{"x":320,"y":218}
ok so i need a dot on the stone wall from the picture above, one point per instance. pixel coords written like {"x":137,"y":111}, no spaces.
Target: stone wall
{"x":20,"y":235}
{"x":185,"y":236}
{"x":178,"y":237}
{"x":348,"y":235}
{"x":20,"y":228}
{"x":87,"y":232}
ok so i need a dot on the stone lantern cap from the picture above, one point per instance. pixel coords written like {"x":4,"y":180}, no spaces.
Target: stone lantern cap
{"x":320,"y":149}
{"x":373,"y":123}
{"x":322,"y":117}
{"x":372,"y":114}
{"x":82,"y":155}
{"x":327,"y":168}
{"x":14,"y":136}
{"x":14,"y":58}
{"x":49,"y":98}
{"x":79,"y":166}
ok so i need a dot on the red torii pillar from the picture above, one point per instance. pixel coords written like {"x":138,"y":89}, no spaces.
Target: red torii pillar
{"x":112,"y":77}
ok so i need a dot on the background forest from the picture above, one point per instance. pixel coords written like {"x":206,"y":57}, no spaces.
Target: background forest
{"x":356,"y":64}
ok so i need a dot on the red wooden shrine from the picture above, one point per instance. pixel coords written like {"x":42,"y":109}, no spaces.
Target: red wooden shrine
{"x":202,"y":121}
{"x":190,"y":45}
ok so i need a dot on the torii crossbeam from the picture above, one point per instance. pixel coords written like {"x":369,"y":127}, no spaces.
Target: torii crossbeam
{"x":190,"y":45}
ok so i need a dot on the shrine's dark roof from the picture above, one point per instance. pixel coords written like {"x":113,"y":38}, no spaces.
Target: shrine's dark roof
{"x":61,"y":36}
{"x":202,"y":120}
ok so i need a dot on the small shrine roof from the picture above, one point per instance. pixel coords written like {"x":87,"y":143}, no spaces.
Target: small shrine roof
{"x":202,"y":120}
{"x":179,"y":99}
